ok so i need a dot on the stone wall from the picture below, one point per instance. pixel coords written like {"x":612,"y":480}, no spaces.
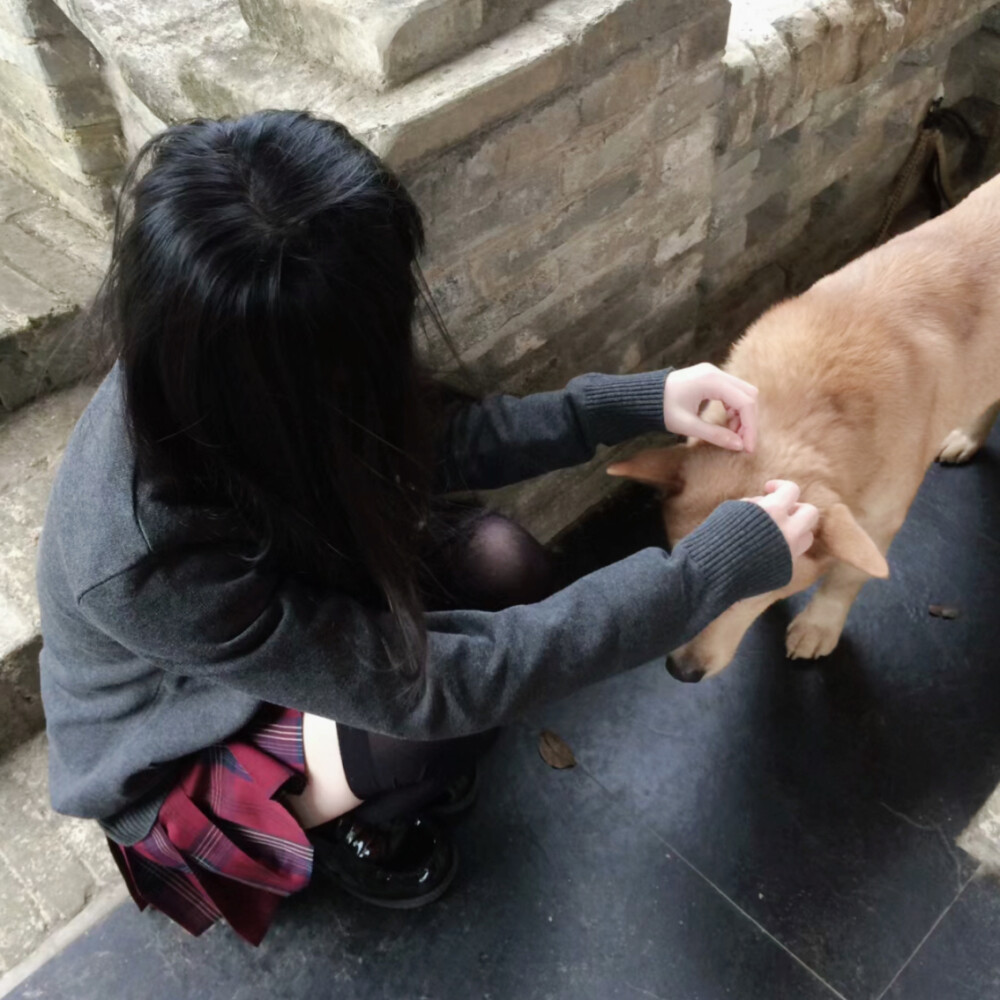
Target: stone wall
{"x":822,"y":106}
{"x":608,"y":184}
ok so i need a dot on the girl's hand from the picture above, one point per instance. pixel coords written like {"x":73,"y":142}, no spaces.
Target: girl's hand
{"x":797,"y":521}
{"x":688,"y":388}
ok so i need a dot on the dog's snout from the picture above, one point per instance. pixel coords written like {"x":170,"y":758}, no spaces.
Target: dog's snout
{"x":684,"y":670}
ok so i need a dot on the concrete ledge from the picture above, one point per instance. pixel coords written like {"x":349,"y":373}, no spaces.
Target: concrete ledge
{"x":383,"y":44}
{"x":31,"y":443}
{"x":188,"y":58}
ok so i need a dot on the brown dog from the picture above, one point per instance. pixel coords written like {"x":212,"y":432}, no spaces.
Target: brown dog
{"x":863,"y":380}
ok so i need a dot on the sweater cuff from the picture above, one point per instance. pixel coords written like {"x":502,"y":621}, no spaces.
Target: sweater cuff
{"x":740,"y":551}
{"x":620,"y":407}
{"x":134,"y":822}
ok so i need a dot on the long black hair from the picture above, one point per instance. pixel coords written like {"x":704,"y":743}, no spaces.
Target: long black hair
{"x":261,"y":301}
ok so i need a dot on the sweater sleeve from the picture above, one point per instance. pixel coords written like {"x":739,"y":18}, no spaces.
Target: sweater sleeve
{"x":506,"y":439}
{"x":327,"y":654}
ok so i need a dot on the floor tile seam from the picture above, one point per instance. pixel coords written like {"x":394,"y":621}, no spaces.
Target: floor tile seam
{"x":934,"y":926}
{"x":704,"y":878}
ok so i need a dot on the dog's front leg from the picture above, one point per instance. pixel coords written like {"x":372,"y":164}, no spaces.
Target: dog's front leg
{"x":815,"y":631}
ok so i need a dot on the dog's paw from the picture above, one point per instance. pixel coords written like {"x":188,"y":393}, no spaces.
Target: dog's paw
{"x":809,"y":640}
{"x":958,"y":447}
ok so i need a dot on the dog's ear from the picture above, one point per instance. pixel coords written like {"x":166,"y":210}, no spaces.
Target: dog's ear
{"x":850,"y":543}
{"x":663,"y":467}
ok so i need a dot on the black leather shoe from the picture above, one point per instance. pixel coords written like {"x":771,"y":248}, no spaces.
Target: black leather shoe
{"x":458,"y":798}
{"x":399,"y":865}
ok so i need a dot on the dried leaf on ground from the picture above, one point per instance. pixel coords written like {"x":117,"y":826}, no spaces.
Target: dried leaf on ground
{"x":944,"y":611}
{"x":555,"y":751}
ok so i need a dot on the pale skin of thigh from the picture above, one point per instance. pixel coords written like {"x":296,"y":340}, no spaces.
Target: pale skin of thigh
{"x":327,"y":794}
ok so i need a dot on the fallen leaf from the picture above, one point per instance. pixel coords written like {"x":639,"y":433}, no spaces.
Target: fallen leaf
{"x":555,"y":751}
{"x":943,"y":611}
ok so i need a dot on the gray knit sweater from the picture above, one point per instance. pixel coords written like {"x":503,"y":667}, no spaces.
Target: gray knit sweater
{"x":159,"y":639}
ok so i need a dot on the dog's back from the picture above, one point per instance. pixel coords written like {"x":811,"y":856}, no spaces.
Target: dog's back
{"x":877,"y":362}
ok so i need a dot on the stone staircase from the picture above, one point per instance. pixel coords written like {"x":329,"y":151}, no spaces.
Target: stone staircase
{"x":53,"y":870}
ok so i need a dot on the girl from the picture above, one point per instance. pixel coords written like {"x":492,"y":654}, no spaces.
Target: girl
{"x":247,"y":540}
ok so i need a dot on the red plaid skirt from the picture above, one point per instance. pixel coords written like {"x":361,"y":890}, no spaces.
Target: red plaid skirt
{"x":224,"y":845}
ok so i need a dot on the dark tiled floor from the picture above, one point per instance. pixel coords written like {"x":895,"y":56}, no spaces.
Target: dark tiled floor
{"x":776,"y":833}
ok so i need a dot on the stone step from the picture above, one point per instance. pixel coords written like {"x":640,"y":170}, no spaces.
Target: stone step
{"x":54,"y":870}
{"x":31,"y":443}
{"x":50,"y":265}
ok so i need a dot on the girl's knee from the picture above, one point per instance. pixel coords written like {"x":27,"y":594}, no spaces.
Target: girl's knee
{"x":506,"y":564}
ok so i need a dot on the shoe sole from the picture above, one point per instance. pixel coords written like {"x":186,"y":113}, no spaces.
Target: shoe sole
{"x":414,"y":902}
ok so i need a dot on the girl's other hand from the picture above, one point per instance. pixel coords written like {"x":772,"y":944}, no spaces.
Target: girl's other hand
{"x":687,"y":389}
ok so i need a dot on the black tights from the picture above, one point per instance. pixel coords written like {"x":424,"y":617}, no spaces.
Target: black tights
{"x":492,"y":563}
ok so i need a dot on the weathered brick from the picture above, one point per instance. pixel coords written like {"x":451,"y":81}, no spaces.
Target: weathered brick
{"x":777,"y":80}
{"x":726,"y":244}
{"x":607,"y":153}
{"x":882,"y":39}
{"x":982,"y":53}
{"x":699,"y":94}
{"x":702,"y":40}
{"x":743,"y":90}
{"x":453,"y":289}
{"x":506,"y":288}
{"x":596,"y":249}
{"x":479,"y":210}
{"x":921,"y":16}
{"x":624,"y":88}
{"x":581,"y":310}
{"x":674,"y":280}
{"x":674,"y":244}
{"x":671,"y":344}
{"x":840,"y":43}
{"x":511,"y":150}
{"x":731,"y":188}
{"x":725,"y":313}
{"x":805,"y":35}
{"x":686,"y":163}
{"x":907,"y":100}
{"x":525,"y":248}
